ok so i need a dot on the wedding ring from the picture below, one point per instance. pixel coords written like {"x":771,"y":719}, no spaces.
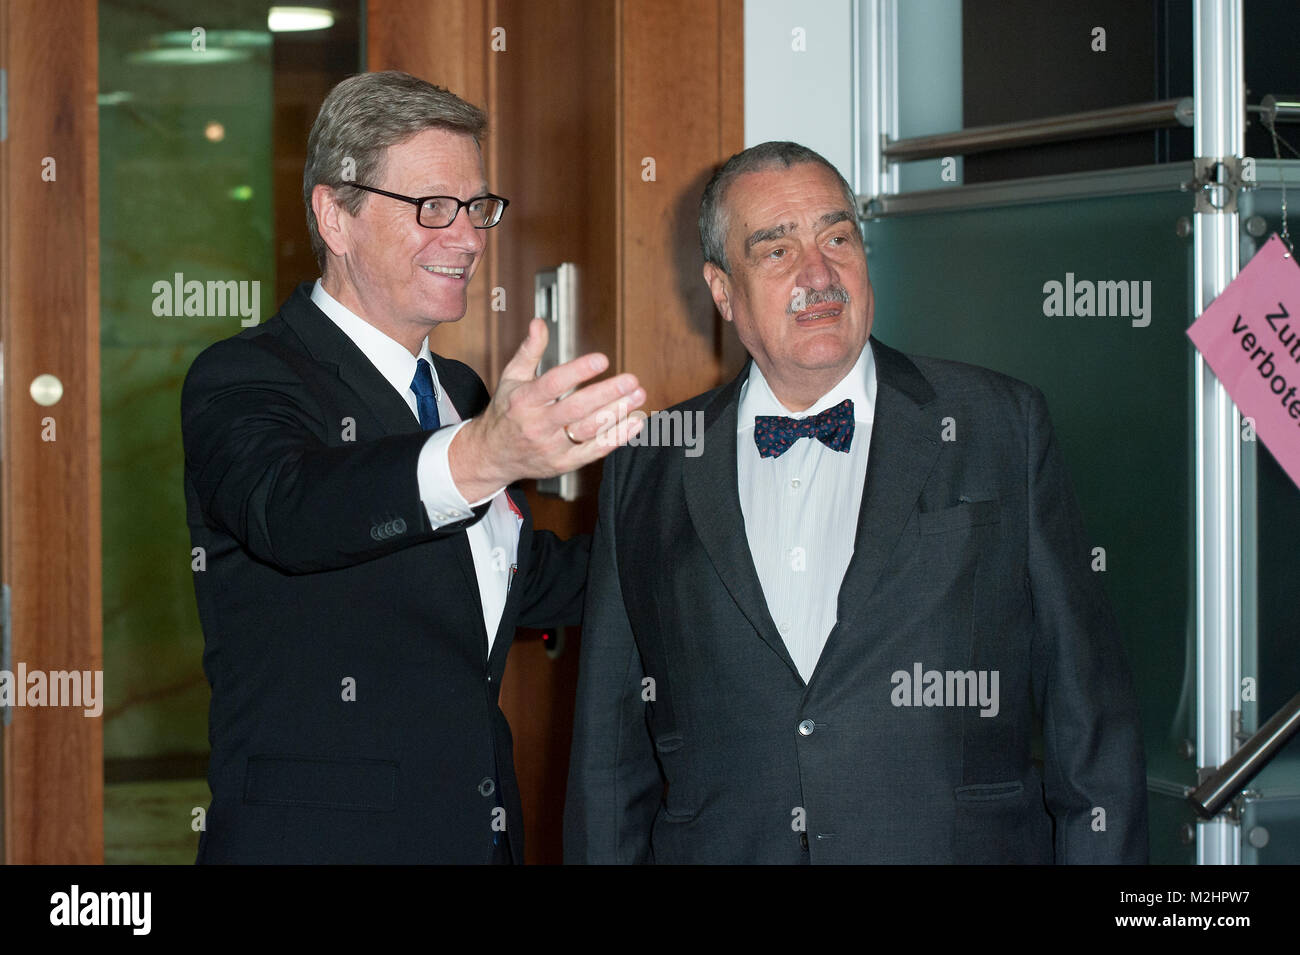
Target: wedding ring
{"x":569,"y":436}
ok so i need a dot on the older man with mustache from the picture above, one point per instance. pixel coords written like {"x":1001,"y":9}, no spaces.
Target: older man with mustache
{"x":831,"y":636}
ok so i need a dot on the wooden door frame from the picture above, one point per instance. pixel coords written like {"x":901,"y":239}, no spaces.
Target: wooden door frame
{"x":51,"y":776}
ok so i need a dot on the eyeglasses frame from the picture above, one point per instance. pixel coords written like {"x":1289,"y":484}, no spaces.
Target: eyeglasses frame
{"x":419,"y":203}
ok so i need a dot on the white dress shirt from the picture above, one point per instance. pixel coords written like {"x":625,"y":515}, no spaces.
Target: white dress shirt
{"x":493,"y":541}
{"x":801,"y":509}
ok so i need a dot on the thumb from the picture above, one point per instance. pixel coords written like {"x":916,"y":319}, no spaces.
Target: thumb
{"x":523,"y":364}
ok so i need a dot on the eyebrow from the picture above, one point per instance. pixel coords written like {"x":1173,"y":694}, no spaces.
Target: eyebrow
{"x":767,"y":235}
{"x":482,"y":191}
{"x":777,"y":232}
{"x":831,"y":218}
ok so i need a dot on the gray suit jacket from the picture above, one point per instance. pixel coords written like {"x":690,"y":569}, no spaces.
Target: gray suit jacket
{"x":695,"y":738}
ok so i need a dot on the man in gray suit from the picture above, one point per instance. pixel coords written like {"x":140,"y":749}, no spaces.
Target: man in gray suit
{"x":831,"y":633}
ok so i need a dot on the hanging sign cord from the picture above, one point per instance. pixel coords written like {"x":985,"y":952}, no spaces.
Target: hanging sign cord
{"x":1271,"y":125}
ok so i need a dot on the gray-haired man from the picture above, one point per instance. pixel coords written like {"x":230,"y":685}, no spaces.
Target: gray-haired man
{"x":367,"y":561}
{"x":828,"y":637}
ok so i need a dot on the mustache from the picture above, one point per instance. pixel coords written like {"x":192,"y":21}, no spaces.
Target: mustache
{"x":836,"y":293}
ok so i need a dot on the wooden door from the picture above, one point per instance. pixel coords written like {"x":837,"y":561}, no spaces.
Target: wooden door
{"x":52,"y":764}
{"x":579,"y":95}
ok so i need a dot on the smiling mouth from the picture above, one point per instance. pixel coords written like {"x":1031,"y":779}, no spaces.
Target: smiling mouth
{"x":447,"y":270}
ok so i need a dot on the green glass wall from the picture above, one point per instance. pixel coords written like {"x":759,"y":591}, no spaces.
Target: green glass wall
{"x":969,"y":285}
{"x":185,"y":174}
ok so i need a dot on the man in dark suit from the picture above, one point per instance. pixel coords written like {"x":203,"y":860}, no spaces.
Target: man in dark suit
{"x":828,"y":634}
{"x":362,"y":563}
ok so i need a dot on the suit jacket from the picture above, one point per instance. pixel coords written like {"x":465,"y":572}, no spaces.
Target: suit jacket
{"x":354,"y":712}
{"x":696,"y":739}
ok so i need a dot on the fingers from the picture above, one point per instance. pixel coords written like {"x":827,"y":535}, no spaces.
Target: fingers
{"x":523,"y":427}
{"x":566,"y":377}
{"x":602,"y":395}
{"x":622,"y":432}
{"x":523,"y":364}
{"x":558,"y":381}
{"x":598,"y":408}
{"x":616,"y":428}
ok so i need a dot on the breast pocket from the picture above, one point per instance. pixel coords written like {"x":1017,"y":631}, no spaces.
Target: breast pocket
{"x":939,"y":571}
{"x":965,"y":515}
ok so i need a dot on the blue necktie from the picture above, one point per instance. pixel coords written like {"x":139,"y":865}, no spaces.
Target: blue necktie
{"x":774,"y":434}
{"x":426,"y":399}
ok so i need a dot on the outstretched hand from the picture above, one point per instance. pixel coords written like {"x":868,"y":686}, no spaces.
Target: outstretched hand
{"x":535,"y":428}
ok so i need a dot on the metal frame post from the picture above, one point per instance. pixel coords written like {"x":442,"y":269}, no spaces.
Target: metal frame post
{"x":875,"y":71}
{"x":1218,"y":135}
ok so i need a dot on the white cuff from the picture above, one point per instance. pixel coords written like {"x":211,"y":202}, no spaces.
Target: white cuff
{"x":442,"y":500}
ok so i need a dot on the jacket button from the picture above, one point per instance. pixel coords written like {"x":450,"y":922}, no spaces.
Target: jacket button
{"x":487,"y":787}
{"x":399,"y":526}
{"x":803,"y":841}
{"x":806,"y":728}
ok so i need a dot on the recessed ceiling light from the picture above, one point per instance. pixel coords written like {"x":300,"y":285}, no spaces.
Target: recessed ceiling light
{"x":296,"y":19}
{"x":200,"y":46}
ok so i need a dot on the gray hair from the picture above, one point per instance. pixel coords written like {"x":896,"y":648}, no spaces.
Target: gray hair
{"x":359,"y":120}
{"x":713,"y":210}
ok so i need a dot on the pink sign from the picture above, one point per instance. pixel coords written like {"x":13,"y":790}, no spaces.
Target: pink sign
{"x":1250,"y":337}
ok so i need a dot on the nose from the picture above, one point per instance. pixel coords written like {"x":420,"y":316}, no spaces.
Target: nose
{"x":816,"y":271}
{"x":462,"y":236}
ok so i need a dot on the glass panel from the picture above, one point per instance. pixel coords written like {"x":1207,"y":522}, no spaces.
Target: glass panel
{"x":967,"y":63}
{"x":972,"y":63}
{"x":929,"y":86}
{"x":192,"y":116}
{"x":968,"y":285}
{"x":1270,"y":641}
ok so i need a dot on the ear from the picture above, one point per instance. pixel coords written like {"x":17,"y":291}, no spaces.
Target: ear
{"x":719,"y":283}
{"x":331,"y":219}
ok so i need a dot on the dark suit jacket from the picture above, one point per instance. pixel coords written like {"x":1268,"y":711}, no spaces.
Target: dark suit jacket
{"x":322,"y":568}
{"x":970,"y":556}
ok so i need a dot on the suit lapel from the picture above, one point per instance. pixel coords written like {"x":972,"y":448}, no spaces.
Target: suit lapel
{"x":904,"y":449}
{"x":329,"y":345}
{"x":713,"y":502}
{"x":506,"y":628}
{"x":465,"y":398}
{"x":465,"y":560}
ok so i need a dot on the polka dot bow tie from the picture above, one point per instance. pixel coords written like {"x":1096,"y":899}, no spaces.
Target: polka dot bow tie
{"x":774,"y":434}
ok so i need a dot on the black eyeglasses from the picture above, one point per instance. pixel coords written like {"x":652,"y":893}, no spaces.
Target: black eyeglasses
{"x":438,"y":212}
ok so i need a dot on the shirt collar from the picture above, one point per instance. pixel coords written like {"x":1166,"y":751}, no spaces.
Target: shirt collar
{"x":859,"y":385}
{"x":389,"y":357}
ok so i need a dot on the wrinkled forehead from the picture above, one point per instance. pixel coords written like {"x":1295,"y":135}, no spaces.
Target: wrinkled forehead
{"x":434,"y":157}
{"x":776,"y":202}
{"x":790,"y":229}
